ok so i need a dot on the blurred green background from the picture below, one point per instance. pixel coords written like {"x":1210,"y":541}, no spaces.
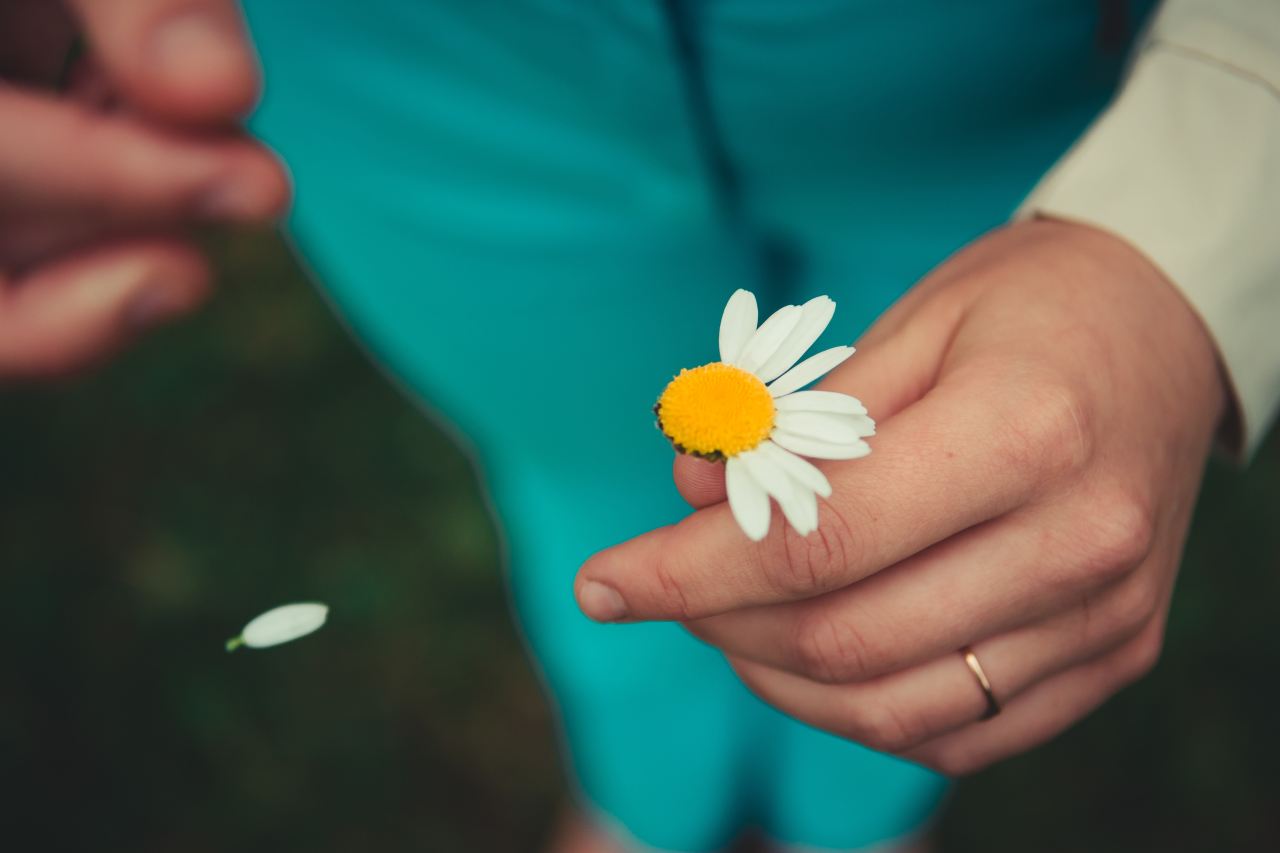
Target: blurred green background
{"x":253,"y":456}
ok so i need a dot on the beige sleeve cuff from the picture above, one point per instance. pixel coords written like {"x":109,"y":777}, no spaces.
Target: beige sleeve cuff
{"x":1185,"y":166}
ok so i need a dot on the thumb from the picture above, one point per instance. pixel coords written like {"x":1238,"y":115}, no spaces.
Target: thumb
{"x":698,"y":481}
{"x":184,"y":60}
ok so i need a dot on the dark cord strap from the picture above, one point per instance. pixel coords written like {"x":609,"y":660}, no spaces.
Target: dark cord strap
{"x":708,"y":136}
{"x":773,"y":257}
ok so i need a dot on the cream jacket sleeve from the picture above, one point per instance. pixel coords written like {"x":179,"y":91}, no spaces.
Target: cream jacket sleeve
{"x":1185,"y":166}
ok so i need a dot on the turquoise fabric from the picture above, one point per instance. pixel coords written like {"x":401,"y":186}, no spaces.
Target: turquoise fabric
{"x":508,"y":203}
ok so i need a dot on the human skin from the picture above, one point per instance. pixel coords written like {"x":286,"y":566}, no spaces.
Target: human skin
{"x":1046,"y":401}
{"x":98,"y":180}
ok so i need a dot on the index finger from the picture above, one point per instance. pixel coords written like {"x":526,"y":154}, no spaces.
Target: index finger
{"x":961,"y":455}
{"x":56,"y":155}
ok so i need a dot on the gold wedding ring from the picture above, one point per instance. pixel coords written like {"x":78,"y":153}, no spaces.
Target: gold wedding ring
{"x":971,"y":660}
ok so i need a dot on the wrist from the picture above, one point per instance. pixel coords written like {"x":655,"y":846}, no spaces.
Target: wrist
{"x":1167,"y":312}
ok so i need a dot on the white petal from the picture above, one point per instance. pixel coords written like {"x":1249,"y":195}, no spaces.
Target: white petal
{"x":818,"y":449}
{"x":797,"y":503}
{"x":801,"y":471}
{"x":283,"y":624}
{"x":839,"y":429}
{"x":820,"y":401}
{"x":814,"y":317}
{"x":737,"y":324}
{"x":808,"y":370}
{"x":803,"y":515}
{"x":747,"y":499}
{"x":765,"y":342}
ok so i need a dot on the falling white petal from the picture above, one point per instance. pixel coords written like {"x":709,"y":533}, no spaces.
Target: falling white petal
{"x":282,"y":624}
{"x":820,"y":401}
{"x":814,"y":317}
{"x":737,"y":324}
{"x":747,"y":499}
{"x":839,"y":429}
{"x":800,"y":470}
{"x":794,"y":500}
{"x":765,"y":342}
{"x":818,"y":449}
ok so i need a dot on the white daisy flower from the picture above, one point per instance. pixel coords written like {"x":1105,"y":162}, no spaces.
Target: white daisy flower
{"x":280,"y":625}
{"x":747,"y":409}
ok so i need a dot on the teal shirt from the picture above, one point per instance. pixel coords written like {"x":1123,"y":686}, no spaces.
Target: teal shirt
{"x":532,"y":212}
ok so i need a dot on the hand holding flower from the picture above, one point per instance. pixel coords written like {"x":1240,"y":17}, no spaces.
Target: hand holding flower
{"x":1046,"y":401}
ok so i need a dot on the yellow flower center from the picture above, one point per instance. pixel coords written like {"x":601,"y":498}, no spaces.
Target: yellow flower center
{"x":715,"y":410}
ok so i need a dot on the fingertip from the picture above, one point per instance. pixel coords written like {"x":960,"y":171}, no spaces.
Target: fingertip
{"x":276,"y":184}
{"x":255,"y":187}
{"x":177,"y":282}
{"x":600,"y":602}
{"x":70,"y":313}
{"x":125,"y":289}
{"x":699,"y":482}
{"x":202,"y":65}
{"x":743,"y":668}
{"x":651,"y":578}
{"x":184,"y":62}
{"x":601,"y":586}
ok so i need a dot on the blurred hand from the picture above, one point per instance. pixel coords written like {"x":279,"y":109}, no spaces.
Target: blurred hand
{"x":1046,"y":403}
{"x":96,"y":179}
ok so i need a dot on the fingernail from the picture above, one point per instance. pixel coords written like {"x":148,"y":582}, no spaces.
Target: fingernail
{"x":601,"y":602}
{"x":152,"y":306}
{"x":197,"y":39}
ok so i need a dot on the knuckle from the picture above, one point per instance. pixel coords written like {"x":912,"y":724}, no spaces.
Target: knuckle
{"x":1049,"y":429}
{"x":805,"y":565}
{"x":829,"y":650}
{"x":672,"y":598}
{"x":885,"y":728}
{"x":1118,"y":536}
